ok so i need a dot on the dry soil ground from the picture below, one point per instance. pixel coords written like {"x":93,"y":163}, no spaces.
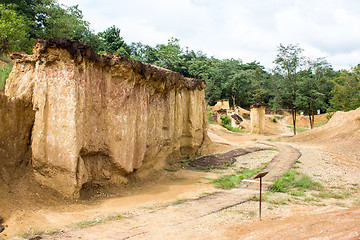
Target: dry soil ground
{"x":332,"y":212}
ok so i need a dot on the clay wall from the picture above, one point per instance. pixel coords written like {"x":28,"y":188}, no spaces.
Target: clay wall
{"x":16,"y":121}
{"x":99,"y":118}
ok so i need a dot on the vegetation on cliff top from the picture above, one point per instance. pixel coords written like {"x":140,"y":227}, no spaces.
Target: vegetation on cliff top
{"x":296,"y":83}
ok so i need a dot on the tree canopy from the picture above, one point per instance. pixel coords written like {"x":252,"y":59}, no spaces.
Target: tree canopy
{"x":296,"y":83}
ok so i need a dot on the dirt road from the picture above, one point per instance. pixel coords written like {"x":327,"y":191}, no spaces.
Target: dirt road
{"x":225,"y":214}
{"x":156,"y":224}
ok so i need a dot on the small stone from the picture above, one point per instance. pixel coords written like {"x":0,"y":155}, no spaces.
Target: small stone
{"x":2,"y":228}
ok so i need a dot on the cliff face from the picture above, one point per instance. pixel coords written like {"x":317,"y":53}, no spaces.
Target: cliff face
{"x":100,"y":117}
{"x":16,"y":121}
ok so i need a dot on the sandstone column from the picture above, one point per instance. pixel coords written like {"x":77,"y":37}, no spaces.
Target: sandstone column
{"x":257,"y":116}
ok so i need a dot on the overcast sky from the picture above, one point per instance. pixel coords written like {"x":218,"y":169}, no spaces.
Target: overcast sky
{"x":242,"y":29}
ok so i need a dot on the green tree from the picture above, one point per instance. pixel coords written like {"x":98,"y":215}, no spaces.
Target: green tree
{"x":14,"y":34}
{"x":46,"y":19}
{"x":310,"y":91}
{"x":260,"y":83}
{"x":289,"y":61}
{"x":143,"y":53}
{"x":238,"y":84}
{"x":346,"y":91}
{"x":112,"y":42}
{"x":31,"y":10}
{"x":170,"y":56}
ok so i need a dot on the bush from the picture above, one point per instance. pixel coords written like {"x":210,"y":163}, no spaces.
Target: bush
{"x":274,"y":120}
{"x":329,"y":115}
{"x":4,"y":74}
{"x":225,"y":120}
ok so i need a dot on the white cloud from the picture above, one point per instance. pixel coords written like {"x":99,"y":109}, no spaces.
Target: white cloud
{"x":246,"y":29}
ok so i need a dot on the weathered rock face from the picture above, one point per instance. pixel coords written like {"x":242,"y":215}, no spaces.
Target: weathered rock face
{"x":257,"y":117}
{"x":16,"y":121}
{"x":101,"y":117}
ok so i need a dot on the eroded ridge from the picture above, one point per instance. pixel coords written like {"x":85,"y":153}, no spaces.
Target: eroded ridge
{"x":99,"y":118}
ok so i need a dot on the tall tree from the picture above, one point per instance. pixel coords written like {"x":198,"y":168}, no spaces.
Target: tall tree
{"x":47,"y":19}
{"x":14,"y":34}
{"x":346,"y":92}
{"x":112,"y":42}
{"x":289,"y":61}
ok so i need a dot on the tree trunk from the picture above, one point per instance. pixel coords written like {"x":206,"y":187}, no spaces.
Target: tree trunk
{"x":313,"y":117}
{"x":233,"y":98}
{"x":293,"y":113}
{"x":310,"y":116}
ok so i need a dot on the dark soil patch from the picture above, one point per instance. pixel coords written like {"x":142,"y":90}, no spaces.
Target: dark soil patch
{"x":222,"y":160}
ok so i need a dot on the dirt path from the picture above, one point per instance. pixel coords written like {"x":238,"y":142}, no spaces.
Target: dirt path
{"x":173,"y":209}
{"x":181,"y":214}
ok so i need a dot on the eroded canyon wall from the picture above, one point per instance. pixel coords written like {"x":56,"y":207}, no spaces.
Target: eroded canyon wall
{"x":16,"y":121}
{"x":99,"y":118}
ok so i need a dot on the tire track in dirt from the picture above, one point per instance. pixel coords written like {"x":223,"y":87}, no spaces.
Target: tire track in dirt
{"x":155,"y":224}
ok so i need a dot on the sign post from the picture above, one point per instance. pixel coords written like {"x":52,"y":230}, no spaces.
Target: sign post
{"x":260,"y":175}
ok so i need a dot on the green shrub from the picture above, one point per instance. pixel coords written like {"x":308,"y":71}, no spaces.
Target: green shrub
{"x":225,"y":120}
{"x":4,"y":74}
{"x":274,"y":120}
{"x":329,"y":115}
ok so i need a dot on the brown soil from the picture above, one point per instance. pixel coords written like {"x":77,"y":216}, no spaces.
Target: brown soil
{"x":29,"y":208}
{"x":225,"y":159}
{"x":303,"y":121}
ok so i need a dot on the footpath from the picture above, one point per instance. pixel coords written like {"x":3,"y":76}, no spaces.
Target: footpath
{"x":159,"y":223}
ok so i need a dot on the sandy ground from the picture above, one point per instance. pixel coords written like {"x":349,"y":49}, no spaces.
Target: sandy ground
{"x":284,"y":216}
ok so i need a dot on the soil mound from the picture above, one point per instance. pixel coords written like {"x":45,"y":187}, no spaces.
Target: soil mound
{"x":225,"y":159}
{"x":341,"y":134}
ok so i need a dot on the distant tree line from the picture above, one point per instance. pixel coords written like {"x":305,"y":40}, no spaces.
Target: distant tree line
{"x":296,"y":83}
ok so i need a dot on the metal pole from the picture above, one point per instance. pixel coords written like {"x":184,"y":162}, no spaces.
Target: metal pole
{"x":260,"y":175}
{"x":260,"y":199}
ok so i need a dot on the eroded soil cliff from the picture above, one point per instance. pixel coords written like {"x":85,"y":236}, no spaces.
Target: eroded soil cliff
{"x":100,"y":118}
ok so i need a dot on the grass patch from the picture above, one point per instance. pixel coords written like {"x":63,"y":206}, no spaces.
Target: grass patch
{"x":340,"y":204}
{"x":4,"y":74}
{"x":89,"y":223}
{"x":205,"y":194}
{"x":234,"y":129}
{"x":178,"y":201}
{"x":177,"y":179}
{"x":298,"y":129}
{"x":357,"y":202}
{"x":311,"y":199}
{"x":230,"y":181}
{"x":208,"y":179}
{"x":169,"y":170}
{"x":319,"y":124}
{"x":331,"y":194}
{"x":294,"y":182}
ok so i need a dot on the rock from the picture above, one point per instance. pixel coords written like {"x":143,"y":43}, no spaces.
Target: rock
{"x":2,"y":228}
{"x":99,"y":118}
